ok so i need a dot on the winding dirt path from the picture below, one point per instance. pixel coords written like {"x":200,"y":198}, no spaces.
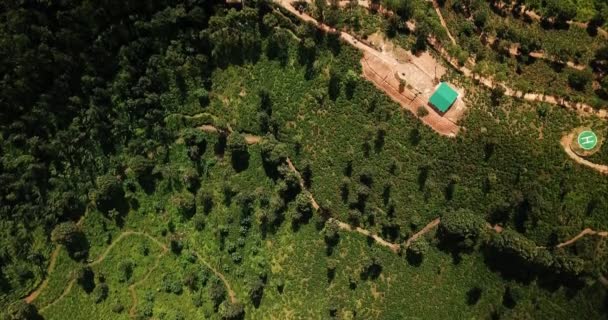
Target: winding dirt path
{"x":32,"y":296}
{"x":585,"y":232}
{"x":514,"y":51}
{"x":566,"y":142}
{"x":314,"y":203}
{"x":231,"y":293}
{"x":52,"y":261}
{"x":134,"y":299}
{"x":65,"y":292}
{"x":442,"y":21}
{"x":100,"y":259}
{"x":124,"y":234}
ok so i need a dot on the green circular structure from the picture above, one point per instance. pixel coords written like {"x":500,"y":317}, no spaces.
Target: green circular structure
{"x":587,"y":140}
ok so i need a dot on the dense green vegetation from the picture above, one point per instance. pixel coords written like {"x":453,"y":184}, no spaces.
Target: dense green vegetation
{"x":105,"y":154}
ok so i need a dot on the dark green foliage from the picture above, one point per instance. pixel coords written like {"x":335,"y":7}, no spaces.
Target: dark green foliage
{"x":604,"y":86}
{"x":205,"y":199}
{"x":422,"y":111}
{"x":561,"y":10}
{"x":70,"y":235}
{"x":217,"y":293}
{"x":100,"y":293}
{"x":238,"y":151}
{"x":85,"y":277}
{"x":199,"y":222}
{"x":232,"y":311}
{"x":118,"y":308}
{"x":461,"y":228}
{"x":21,"y":310}
{"x":171,"y":284}
{"x":185,"y":204}
{"x":579,"y":79}
{"x":256,"y":292}
{"x":371,"y":269}
{"x":125,"y":270}
{"x":404,"y":9}
{"x":303,"y":209}
{"x":65,"y":233}
{"x":235,"y":37}
{"x":109,"y":194}
{"x":416,"y":251}
{"x":176,"y":245}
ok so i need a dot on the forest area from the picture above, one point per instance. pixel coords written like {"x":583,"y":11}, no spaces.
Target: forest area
{"x":195,"y":159}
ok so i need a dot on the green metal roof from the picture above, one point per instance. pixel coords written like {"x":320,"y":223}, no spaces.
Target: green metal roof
{"x":444,"y":97}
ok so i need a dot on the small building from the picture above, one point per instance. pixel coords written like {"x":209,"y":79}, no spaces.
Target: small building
{"x":443,"y":98}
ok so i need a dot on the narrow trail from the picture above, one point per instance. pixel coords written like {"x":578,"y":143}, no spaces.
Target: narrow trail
{"x":379,"y":240}
{"x":134,"y":299}
{"x":124,"y":234}
{"x":231,"y":293}
{"x":249,"y":138}
{"x":431,"y":225}
{"x":32,"y":296}
{"x":566,"y":142}
{"x":395,"y":247}
{"x":65,"y":292}
{"x":51,"y":267}
{"x":315,"y":205}
{"x":100,"y":259}
{"x":585,"y":232}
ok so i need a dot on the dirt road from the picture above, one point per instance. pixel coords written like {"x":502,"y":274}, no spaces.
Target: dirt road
{"x":585,"y":232}
{"x":431,"y":225}
{"x":379,"y":240}
{"x":32,"y":296}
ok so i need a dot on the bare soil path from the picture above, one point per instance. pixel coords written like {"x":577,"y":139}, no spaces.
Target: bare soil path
{"x":32,"y":296}
{"x":566,"y":144}
{"x":585,"y":232}
{"x":52,"y":261}
{"x":65,"y":292}
{"x":100,"y":259}
{"x":442,"y":21}
{"x":231,"y":293}
{"x":132,"y":287}
{"x":379,"y":240}
{"x":123,"y":235}
{"x":431,"y":225}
